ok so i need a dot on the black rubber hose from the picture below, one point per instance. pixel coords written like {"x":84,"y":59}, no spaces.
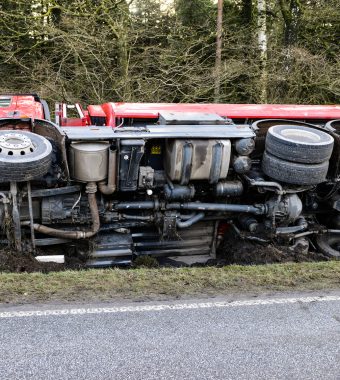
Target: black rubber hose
{"x":188,"y":223}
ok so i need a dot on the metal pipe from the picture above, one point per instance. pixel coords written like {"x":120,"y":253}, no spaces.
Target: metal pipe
{"x":195,"y":206}
{"x":30,"y":210}
{"x":259,"y":210}
{"x":304,"y":234}
{"x":147,"y":205}
{"x":289,"y":230}
{"x":188,"y":223}
{"x":169,"y":182}
{"x":186,"y":163}
{"x":16,"y":216}
{"x":5,"y":202}
{"x":138,"y":217}
{"x":186,"y":217}
{"x":123,"y":224}
{"x":57,"y":191}
{"x":3,"y":195}
{"x":179,"y":193}
{"x":276,"y":185}
{"x":277,"y":188}
{"x":216,"y":163}
{"x":111,"y":185}
{"x":91,"y":189}
{"x":268,"y":184}
{"x":301,"y":225}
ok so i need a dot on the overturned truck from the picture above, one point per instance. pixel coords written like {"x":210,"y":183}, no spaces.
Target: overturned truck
{"x":117,"y":181}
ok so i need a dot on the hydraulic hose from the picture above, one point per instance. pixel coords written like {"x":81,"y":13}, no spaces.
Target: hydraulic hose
{"x":91,"y":189}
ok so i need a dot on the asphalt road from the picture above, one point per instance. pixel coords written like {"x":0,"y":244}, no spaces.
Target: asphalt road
{"x":286,"y":337}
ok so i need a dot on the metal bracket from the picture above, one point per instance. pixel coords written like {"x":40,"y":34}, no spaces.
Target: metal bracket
{"x":169,"y":225}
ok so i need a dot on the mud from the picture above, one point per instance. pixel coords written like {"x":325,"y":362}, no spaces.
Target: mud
{"x":233,"y":251}
{"x":14,"y":262}
{"x":243,"y":252}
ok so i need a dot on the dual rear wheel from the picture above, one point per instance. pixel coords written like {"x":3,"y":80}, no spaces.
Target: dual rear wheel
{"x":300,"y":155}
{"x":297,"y":155}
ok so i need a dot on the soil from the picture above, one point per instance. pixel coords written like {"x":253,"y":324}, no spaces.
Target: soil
{"x":233,"y":251}
{"x":14,"y":262}
{"x":243,"y":252}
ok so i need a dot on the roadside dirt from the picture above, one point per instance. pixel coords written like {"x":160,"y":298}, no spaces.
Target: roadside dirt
{"x":233,"y":251}
{"x":14,"y":262}
{"x":242,"y":252}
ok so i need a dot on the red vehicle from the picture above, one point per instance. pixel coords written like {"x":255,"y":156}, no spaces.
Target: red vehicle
{"x":173,"y":181}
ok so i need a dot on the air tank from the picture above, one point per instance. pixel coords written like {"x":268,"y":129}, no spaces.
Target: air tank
{"x":89,"y":161}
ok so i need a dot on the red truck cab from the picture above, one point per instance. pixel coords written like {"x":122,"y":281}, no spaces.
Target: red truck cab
{"x":25,"y":106}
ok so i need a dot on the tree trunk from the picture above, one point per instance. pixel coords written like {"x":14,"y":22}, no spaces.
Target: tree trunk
{"x":262,"y":46}
{"x":291,"y":15}
{"x":247,"y":11}
{"x":218,"y":61}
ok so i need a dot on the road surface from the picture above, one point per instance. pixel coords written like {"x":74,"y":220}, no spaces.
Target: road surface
{"x":281,"y":337}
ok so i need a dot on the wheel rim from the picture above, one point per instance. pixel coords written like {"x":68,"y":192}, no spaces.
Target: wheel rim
{"x":300,"y":135}
{"x":15,"y":144}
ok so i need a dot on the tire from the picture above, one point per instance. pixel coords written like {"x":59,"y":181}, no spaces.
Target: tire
{"x":329,"y":245}
{"x":333,"y":126}
{"x":24,"y":156}
{"x":299,"y":144}
{"x":294,"y":173}
{"x":47,"y":114}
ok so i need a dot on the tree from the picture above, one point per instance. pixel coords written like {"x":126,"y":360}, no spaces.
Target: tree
{"x":247,"y":11}
{"x":218,"y":60}
{"x":262,"y":45}
{"x":111,"y":50}
{"x":194,"y":13}
{"x":291,"y":12}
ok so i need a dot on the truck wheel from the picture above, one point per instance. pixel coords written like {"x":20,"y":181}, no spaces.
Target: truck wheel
{"x":299,"y":144}
{"x":333,"y":126}
{"x":329,"y":245}
{"x":23,"y":156}
{"x":292,"y":172}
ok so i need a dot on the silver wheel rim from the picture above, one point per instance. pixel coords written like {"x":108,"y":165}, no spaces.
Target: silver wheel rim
{"x":299,"y":135}
{"x":15,"y":144}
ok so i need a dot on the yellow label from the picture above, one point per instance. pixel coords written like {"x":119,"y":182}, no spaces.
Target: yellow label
{"x":156,"y":149}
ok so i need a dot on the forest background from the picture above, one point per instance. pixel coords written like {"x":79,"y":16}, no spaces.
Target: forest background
{"x":92,"y":51}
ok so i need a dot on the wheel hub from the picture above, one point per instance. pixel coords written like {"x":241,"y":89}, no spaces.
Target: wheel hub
{"x":15,"y":144}
{"x":301,"y":135}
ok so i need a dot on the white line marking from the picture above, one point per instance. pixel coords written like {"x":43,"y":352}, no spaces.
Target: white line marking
{"x":175,"y":306}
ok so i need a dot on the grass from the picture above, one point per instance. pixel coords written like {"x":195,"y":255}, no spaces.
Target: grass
{"x":165,"y":283}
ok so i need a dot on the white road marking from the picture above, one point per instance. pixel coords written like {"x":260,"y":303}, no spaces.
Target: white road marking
{"x":175,"y":306}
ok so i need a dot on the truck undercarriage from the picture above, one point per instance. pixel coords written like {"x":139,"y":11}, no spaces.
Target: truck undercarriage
{"x":121,"y":181}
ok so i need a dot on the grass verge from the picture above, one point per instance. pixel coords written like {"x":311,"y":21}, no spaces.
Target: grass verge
{"x":164,"y":283}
